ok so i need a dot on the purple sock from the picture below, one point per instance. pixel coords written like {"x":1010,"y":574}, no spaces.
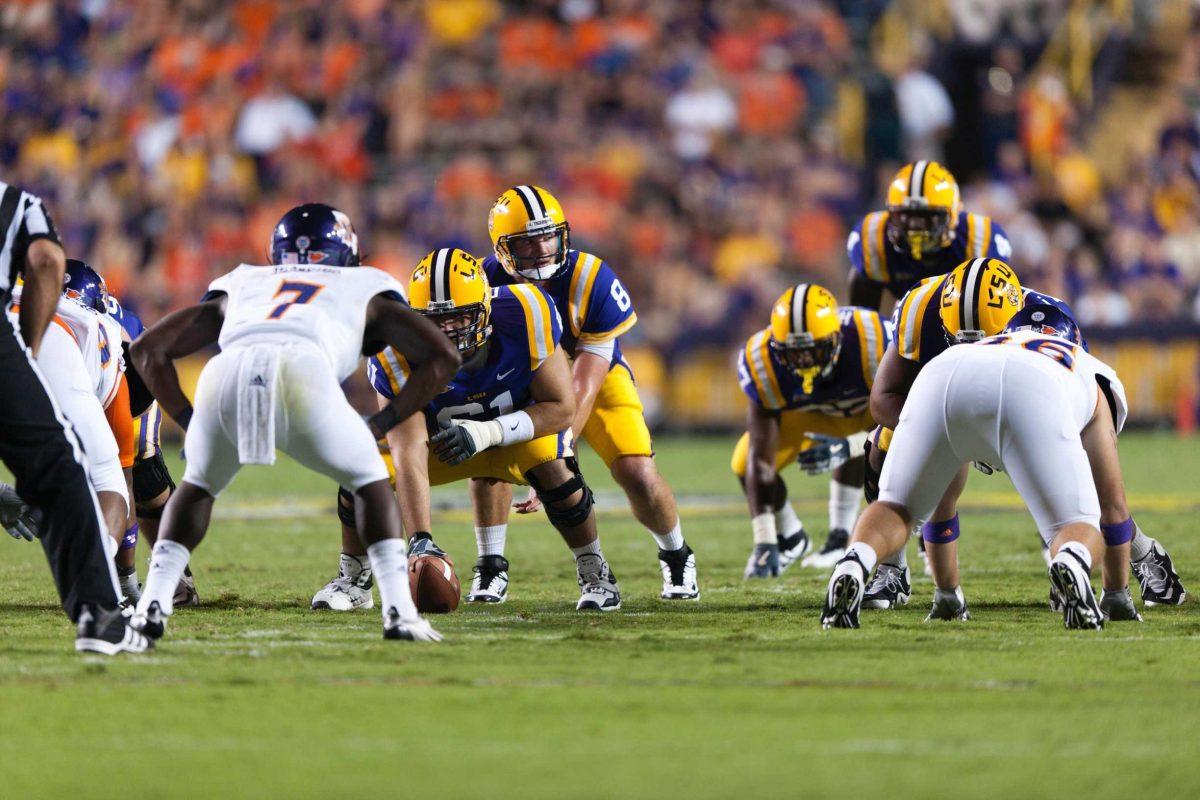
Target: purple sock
{"x":1120,"y":533}
{"x":940,"y":532}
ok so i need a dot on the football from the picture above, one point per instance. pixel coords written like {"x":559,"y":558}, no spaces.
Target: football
{"x":435,"y":587}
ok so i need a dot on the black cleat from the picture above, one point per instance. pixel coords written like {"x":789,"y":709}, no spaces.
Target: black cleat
{"x":108,"y":633}
{"x":831,"y":552}
{"x":1160,"y":583}
{"x":153,"y":623}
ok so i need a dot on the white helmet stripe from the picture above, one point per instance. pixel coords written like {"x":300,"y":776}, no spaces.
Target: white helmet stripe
{"x":968,"y":314}
{"x":440,"y":279}
{"x":533,"y":203}
{"x":799,"y":299}
{"x":916,"y":185}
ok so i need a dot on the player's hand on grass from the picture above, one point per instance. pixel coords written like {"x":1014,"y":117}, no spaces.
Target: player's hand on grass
{"x":827,"y":452}
{"x":460,"y":439}
{"x":20,"y":520}
{"x":530,"y":504}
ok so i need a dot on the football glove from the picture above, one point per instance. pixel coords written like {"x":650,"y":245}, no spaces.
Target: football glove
{"x":460,"y":439}
{"x":20,"y":520}
{"x":828,"y":452}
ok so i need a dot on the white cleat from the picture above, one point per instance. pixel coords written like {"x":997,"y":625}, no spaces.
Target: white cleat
{"x":830,"y":553}
{"x":678,"y":574}
{"x":597,"y":585}
{"x":350,"y":590}
{"x":411,"y":629}
{"x":843,"y":597}
{"x":490,"y":584}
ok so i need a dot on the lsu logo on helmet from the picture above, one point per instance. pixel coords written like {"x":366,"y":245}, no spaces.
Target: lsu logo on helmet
{"x":450,"y":287}
{"x":923,"y":205}
{"x":806,"y":332}
{"x":978,"y":299}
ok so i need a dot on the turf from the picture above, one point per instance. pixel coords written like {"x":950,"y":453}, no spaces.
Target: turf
{"x":741,"y":694}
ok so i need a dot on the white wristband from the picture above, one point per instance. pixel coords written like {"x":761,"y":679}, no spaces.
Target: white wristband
{"x":763,"y":526}
{"x":515,"y":428}
{"x":858,"y":442}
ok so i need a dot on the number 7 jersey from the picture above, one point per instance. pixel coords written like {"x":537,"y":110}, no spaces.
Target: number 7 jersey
{"x":526,"y":330}
{"x":324,"y":306}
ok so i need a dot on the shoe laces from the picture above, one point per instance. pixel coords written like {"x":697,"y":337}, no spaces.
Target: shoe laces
{"x":1152,"y":573}
{"x":887,"y":579}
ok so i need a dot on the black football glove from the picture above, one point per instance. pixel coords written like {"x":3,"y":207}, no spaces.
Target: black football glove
{"x":828,"y":453}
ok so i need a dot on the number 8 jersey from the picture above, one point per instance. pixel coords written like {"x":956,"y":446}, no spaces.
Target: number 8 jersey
{"x":326,"y":306}
{"x":526,"y":329}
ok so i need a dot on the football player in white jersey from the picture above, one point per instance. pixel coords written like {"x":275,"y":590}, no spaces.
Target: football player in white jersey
{"x":1020,"y":400}
{"x":81,"y":360}
{"x":290,"y":333}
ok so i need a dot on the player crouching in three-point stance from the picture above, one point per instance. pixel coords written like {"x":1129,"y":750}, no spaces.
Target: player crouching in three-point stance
{"x":506,"y":416}
{"x":1021,"y":400}
{"x":808,"y":377}
{"x":289,"y":334}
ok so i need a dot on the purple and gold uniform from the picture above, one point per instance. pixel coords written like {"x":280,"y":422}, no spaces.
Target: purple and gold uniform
{"x":596,"y":309}
{"x":873,"y":256}
{"x":838,"y":404}
{"x":526,"y":329}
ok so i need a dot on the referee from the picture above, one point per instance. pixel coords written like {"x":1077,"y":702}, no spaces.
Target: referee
{"x":38,"y":444}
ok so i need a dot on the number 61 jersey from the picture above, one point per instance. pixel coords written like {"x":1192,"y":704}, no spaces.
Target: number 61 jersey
{"x":325,"y":306}
{"x":526,"y":330}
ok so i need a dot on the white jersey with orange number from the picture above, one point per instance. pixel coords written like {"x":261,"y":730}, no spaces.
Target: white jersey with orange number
{"x":325,"y":306}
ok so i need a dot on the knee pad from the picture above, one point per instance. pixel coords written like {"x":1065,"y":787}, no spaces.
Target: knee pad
{"x":561,"y":512}
{"x":150,"y":479}
{"x":345,"y":506}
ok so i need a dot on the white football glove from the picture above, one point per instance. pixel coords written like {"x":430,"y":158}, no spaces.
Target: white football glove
{"x":460,"y":439}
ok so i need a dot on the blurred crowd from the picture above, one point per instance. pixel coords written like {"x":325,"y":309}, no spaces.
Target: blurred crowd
{"x":712,"y":152}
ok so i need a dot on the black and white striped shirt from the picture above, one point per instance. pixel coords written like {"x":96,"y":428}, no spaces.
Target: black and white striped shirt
{"x":23,"y":219}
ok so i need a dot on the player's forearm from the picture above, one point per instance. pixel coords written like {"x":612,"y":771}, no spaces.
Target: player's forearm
{"x":587,"y":374}
{"x":886,"y":408}
{"x":550,"y":416}
{"x":760,"y":483}
{"x":44,"y":270}
{"x":410,"y":456}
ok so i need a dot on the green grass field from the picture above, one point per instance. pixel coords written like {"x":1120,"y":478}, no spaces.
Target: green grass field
{"x":741,"y":694}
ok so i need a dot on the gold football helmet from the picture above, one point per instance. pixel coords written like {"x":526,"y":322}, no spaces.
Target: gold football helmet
{"x":978,"y":299}
{"x":529,"y":233}
{"x":450,"y":287}
{"x":923,"y":205}
{"x":806,"y":333}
